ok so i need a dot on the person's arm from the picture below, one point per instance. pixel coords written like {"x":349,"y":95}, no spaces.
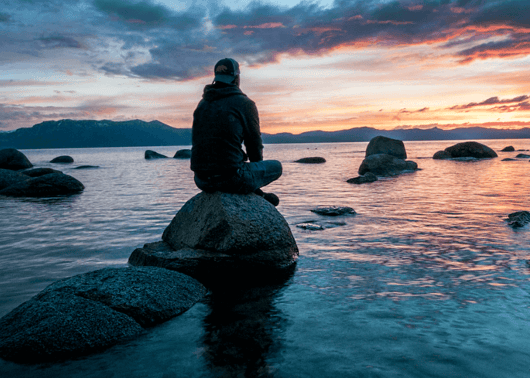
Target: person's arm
{"x":252,"y":133}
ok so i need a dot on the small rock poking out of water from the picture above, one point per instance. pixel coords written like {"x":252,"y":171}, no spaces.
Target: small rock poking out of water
{"x":91,"y":312}
{"x":318,"y":225}
{"x":219,"y":237}
{"x":13,"y":159}
{"x":52,"y":184}
{"x":522,"y":156}
{"x":65,"y":159}
{"x":311,"y":160}
{"x":149,"y":154}
{"x":518,"y":219}
{"x":334,"y":210}
{"x":310,"y":226}
{"x":366,"y":178}
{"x":182,"y":154}
{"x":466,"y":149}
{"x":508,"y":149}
{"x":87,"y":167}
{"x":508,"y":159}
{"x":37,"y":172}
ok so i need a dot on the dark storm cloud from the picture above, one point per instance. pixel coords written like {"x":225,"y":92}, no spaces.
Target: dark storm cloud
{"x":180,"y":45}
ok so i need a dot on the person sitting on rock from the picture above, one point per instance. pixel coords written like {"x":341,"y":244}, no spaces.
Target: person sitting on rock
{"x":224,"y":120}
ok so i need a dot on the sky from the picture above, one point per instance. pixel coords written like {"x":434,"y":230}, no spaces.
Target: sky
{"x":310,"y":65}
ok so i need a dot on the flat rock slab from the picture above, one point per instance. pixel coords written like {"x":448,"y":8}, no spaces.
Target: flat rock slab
{"x":49,"y":185}
{"x":13,"y":159}
{"x":334,"y":210}
{"x":518,"y":219}
{"x":311,"y":160}
{"x":90,"y":312}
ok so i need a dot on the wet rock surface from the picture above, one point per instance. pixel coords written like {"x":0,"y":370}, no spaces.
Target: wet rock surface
{"x":522,"y":156}
{"x":90,"y":312}
{"x":386,"y":165}
{"x":364,"y":179}
{"x":11,"y":158}
{"x":334,"y":210}
{"x":48,"y":185}
{"x":36,"y":172}
{"x":518,"y":219}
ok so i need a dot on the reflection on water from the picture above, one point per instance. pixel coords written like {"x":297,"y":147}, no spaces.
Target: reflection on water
{"x":427,"y":280}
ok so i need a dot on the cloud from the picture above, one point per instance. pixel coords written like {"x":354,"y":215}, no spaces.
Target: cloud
{"x":490,"y":101}
{"x":174,"y":43}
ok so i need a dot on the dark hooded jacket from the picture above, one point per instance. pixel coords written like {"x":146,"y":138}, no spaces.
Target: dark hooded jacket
{"x":224,"y":120}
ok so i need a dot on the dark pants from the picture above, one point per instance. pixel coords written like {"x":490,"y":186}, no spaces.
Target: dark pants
{"x":248,"y":179}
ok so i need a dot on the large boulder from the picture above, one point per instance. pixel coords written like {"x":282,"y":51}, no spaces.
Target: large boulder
{"x":90,"y":312}
{"x":49,"y":185}
{"x":150,"y":154}
{"x":467,"y":149}
{"x":386,"y":165}
{"x":9,"y":177}
{"x":13,"y":159}
{"x":387,"y":146}
{"x":182,"y":154}
{"x":64,"y":159}
{"x":232,"y":236}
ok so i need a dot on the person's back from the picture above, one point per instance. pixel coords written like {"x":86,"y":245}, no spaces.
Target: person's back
{"x":224,"y":120}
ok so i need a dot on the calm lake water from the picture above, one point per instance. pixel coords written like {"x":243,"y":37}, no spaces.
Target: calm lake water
{"x":427,"y":280}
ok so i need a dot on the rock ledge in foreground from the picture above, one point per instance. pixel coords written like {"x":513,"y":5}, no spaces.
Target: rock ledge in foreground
{"x":90,"y":312}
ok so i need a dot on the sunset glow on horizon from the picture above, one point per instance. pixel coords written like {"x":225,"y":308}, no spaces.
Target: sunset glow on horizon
{"x":318,"y":65}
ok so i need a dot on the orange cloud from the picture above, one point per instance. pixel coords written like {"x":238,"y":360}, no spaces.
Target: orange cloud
{"x":268,"y":25}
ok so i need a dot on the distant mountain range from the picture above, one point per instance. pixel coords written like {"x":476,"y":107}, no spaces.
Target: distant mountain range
{"x":76,"y":134}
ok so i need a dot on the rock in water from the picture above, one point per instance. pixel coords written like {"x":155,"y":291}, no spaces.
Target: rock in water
{"x":149,"y":154}
{"x":467,"y":149}
{"x":388,"y":146}
{"x":182,"y":154}
{"x":508,"y":148}
{"x":518,"y":219}
{"x":9,"y":177}
{"x":234,"y":236}
{"x":53,"y":184}
{"x":90,"y":312}
{"x":36,"y":172}
{"x":522,"y":156}
{"x":13,"y":159}
{"x":65,"y":159}
{"x":440,"y":155}
{"x":311,"y":160}
{"x":386,"y":165}
{"x":366,"y":178}
{"x":334,"y":210}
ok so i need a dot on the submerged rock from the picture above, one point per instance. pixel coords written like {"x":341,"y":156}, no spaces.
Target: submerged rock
{"x":466,"y":149}
{"x":149,"y":154}
{"x":65,"y":159}
{"x":387,"y":146}
{"x":49,"y":185}
{"x":311,"y":160}
{"x":87,"y":167}
{"x":310,"y":226}
{"x":232,"y":236}
{"x":508,"y":148}
{"x":522,"y":156}
{"x":366,"y":178}
{"x":518,"y":219}
{"x":334,"y":210}
{"x":182,"y":154}
{"x":9,"y":177}
{"x":90,"y":312}
{"x":386,"y":165}
{"x":36,"y":172}
{"x":13,"y":159}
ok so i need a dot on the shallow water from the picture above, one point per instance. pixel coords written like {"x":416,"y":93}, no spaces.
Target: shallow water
{"x":427,"y":280}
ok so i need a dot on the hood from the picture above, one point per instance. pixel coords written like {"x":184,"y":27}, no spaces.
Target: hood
{"x":212,"y":92}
